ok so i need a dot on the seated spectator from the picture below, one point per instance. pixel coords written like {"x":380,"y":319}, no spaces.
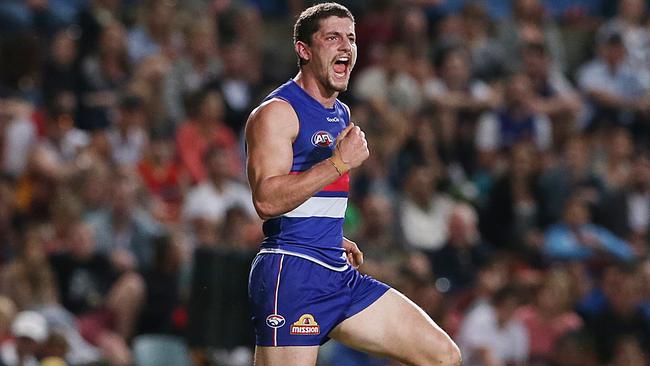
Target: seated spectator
{"x":205,"y":128}
{"x":511,"y":215}
{"x":629,"y":21}
{"x":530,"y":23}
{"x":490,"y":334}
{"x":554,"y":95}
{"x":577,"y":238}
{"x":612,"y":86}
{"x":59,"y":75}
{"x":106,"y":302}
{"x":573,"y":175}
{"x":549,"y":317}
{"x":622,"y":316}
{"x":164,"y":178}
{"x":124,"y":230}
{"x":18,"y":133}
{"x":388,"y":85}
{"x":516,"y":122}
{"x":155,"y":34}
{"x":219,"y":192}
{"x":102,"y":74}
{"x":192,"y":70}
{"x":459,"y":259}
{"x":456,"y":90}
{"x":127,"y":136}
{"x":486,"y":54}
{"x":28,"y":279}
{"x":423,"y":211}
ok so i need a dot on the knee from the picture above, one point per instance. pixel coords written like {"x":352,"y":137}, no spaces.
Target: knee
{"x":445,"y":353}
{"x":452,"y":355}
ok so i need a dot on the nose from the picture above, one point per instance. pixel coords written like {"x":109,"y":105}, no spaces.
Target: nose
{"x":346,"y":44}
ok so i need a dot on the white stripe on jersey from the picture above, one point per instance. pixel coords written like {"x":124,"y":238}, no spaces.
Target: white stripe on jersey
{"x":332,"y":207}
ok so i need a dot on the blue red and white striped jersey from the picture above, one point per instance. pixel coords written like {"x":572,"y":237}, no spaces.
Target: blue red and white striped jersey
{"x":313,"y":230}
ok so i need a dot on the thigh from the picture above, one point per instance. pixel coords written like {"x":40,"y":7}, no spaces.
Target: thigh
{"x":396,"y":327}
{"x":286,"y":356}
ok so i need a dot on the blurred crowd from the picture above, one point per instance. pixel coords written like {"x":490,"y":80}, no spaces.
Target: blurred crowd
{"x":507,"y":191}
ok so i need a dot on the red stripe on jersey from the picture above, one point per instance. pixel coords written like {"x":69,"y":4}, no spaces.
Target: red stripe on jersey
{"x":342,"y":184}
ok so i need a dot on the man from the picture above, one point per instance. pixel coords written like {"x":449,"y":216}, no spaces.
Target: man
{"x":302,"y":288}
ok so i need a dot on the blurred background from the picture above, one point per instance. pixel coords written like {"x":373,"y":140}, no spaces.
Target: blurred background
{"x":507,"y":191}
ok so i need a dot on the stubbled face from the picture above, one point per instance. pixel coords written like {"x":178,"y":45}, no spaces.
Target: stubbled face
{"x":333,"y":53}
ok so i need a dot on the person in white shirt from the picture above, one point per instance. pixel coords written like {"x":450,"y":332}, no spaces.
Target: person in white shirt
{"x":490,"y":335}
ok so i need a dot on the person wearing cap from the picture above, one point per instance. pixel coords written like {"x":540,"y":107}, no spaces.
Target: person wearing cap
{"x":29,"y":330}
{"x":612,"y":87}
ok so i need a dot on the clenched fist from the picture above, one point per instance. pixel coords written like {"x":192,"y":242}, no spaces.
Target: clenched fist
{"x":351,"y":146}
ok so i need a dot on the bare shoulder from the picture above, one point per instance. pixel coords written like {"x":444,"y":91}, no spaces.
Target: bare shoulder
{"x":275,"y":117}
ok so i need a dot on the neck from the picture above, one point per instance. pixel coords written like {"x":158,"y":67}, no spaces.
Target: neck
{"x":317,"y":90}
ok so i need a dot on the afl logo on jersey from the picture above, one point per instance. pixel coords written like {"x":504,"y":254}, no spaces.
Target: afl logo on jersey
{"x":322,"y":139}
{"x":275,"y":320}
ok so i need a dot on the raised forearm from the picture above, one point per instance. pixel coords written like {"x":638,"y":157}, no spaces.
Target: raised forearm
{"x":280,"y":194}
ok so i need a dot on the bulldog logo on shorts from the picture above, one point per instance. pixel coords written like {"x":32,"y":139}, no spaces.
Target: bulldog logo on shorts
{"x":275,"y":321}
{"x":306,"y":325}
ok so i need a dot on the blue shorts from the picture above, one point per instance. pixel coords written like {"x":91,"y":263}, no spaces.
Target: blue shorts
{"x":296,"y":302}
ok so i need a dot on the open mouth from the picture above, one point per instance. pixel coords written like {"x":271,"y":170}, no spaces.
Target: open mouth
{"x":341,"y":66}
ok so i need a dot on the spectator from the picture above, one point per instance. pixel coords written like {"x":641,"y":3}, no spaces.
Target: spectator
{"x":573,"y":175}
{"x":106,"y":302}
{"x":459,"y":259}
{"x":164,"y":178}
{"x":456,"y":91}
{"x":92,"y":19}
{"x":636,"y":37}
{"x":621,"y":319}
{"x":611,"y":85}
{"x":577,"y":238}
{"x":124,"y":230}
{"x":388,"y":85}
{"x":19,"y":134}
{"x":491,"y":335}
{"x":554,"y":95}
{"x":486,"y":54}
{"x":515,"y":122}
{"x":218,"y":193}
{"x":549,"y":316}
{"x":424,"y":212}
{"x":59,"y":76}
{"x":512,"y":214}
{"x":156,"y":34}
{"x":530,"y":23}
{"x":238,"y":84}
{"x":205,"y":128}
{"x":191,"y":72}
{"x":128,"y":138}
{"x":102,"y":74}
{"x":28,"y":280}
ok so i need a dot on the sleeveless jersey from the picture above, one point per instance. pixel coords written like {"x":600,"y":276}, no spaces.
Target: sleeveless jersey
{"x":313,"y":230}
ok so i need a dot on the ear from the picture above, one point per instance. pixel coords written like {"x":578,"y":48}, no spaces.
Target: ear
{"x":303,"y":51}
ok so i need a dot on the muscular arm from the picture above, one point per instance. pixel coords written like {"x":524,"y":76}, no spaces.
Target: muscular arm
{"x":270,"y":132}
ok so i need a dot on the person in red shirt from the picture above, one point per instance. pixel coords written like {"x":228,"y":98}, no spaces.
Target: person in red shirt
{"x":205,"y":127}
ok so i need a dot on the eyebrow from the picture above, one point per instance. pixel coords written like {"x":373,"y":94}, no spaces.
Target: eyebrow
{"x":336,"y":33}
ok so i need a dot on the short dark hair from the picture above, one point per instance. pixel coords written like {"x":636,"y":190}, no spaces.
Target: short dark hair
{"x":308,"y":21}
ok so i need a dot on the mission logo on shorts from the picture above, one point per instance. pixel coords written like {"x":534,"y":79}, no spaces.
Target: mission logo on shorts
{"x":305,"y":325}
